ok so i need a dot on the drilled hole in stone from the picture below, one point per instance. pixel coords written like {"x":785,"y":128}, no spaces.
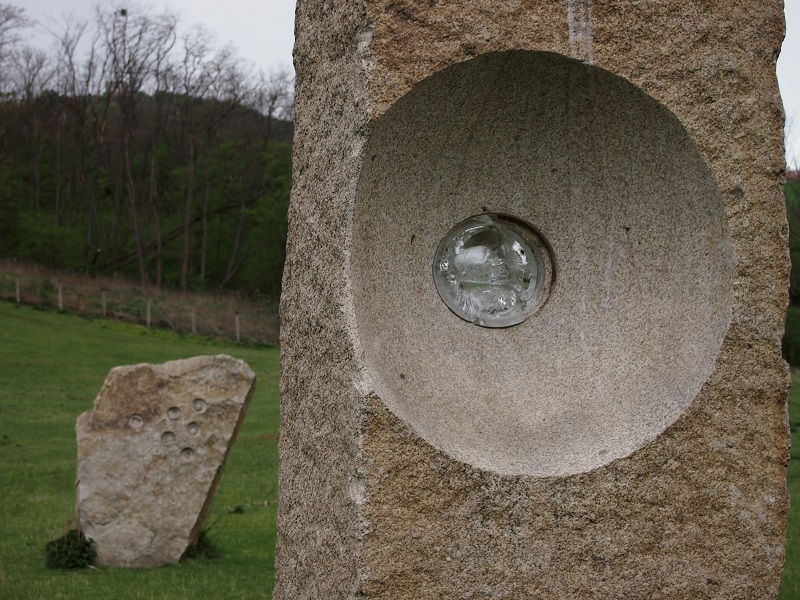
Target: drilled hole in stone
{"x":199,"y":405}
{"x":136,"y":421}
{"x":174,"y":412}
{"x":167,"y":437}
{"x":187,"y":454}
{"x":193,"y":429}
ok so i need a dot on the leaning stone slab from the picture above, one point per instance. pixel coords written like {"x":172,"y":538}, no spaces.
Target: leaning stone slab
{"x":150,"y":454}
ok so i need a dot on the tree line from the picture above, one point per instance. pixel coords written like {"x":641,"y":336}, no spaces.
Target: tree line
{"x":792,"y":198}
{"x":138,"y":146}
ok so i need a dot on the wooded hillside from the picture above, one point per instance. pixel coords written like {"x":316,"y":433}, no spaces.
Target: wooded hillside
{"x":137,"y":146}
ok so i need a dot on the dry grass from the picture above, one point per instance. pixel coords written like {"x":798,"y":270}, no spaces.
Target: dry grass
{"x":215,"y":315}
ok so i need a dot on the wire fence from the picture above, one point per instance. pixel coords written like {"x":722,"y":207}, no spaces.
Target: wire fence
{"x":227,"y":314}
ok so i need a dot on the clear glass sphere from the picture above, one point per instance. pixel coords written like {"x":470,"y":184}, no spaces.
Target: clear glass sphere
{"x":489,"y":270}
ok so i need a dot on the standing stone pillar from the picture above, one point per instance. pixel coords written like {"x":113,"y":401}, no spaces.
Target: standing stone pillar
{"x":535,"y":289}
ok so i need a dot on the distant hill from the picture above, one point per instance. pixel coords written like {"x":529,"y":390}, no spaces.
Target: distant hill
{"x":173,"y":190}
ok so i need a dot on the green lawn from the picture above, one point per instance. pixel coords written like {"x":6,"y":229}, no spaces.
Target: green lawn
{"x":790,"y":587}
{"x":52,"y":366}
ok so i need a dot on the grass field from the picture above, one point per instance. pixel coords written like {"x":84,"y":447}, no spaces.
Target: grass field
{"x":790,"y":586}
{"x":51,"y":367}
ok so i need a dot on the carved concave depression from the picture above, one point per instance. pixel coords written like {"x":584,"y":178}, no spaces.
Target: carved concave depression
{"x":492,"y":270}
{"x":587,"y":349}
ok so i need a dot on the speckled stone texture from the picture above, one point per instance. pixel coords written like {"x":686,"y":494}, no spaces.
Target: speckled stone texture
{"x":151,"y":452}
{"x":374,"y":506}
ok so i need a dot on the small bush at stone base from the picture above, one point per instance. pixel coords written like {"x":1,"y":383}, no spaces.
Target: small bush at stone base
{"x":204,"y":548}
{"x":70,"y":551}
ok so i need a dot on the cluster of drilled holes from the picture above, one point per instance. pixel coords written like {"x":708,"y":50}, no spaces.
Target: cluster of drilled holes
{"x":174,"y":413}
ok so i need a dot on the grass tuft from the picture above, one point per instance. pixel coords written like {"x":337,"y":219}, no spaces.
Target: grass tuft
{"x":204,"y":548}
{"x":71,"y":551}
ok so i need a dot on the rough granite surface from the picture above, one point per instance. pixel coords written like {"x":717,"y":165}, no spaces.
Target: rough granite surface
{"x":367,"y":508}
{"x":151,"y":452}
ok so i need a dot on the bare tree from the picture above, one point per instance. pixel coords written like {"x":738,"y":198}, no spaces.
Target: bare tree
{"x":12,"y":21}
{"x":160,"y":87}
{"x":29,"y":74}
{"x":792,"y":141}
{"x":214,"y":85}
{"x":272,"y":97}
{"x":133,"y":42}
{"x":194,"y":85}
{"x":76,"y":84}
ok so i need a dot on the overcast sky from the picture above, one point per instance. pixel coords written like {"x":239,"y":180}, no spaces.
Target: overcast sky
{"x":263,"y":32}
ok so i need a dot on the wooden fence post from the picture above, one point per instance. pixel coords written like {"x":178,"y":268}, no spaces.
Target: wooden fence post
{"x":17,"y":284}
{"x":103,"y":292}
{"x":194,"y":318}
{"x":237,"y":327}
{"x":149,"y":305}
{"x":60,"y":296}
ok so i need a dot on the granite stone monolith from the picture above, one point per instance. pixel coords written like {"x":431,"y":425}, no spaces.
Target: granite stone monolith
{"x":150,"y":454}
{"x":628,"y":438}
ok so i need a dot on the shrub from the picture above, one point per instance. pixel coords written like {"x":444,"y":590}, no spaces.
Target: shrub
{"x":204,"y":548}
{"x":70,"y":551}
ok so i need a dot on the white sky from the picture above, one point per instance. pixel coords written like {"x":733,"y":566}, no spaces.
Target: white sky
{"x":263,"y":32}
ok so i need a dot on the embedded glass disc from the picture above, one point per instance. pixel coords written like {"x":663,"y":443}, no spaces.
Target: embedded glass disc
{"x":493,"y":270}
